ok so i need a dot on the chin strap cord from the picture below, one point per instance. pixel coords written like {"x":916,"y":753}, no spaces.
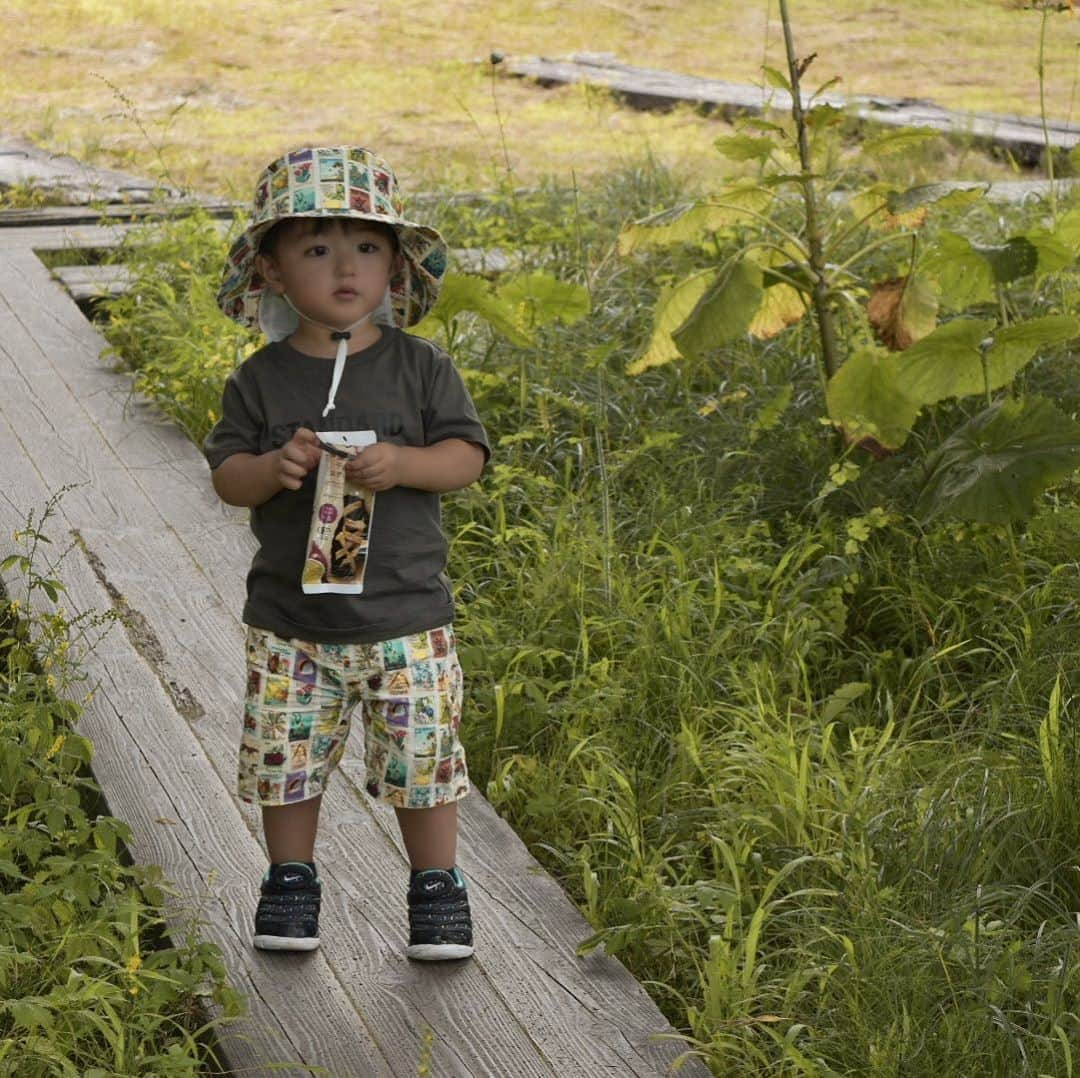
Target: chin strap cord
{"x":342,"y":337}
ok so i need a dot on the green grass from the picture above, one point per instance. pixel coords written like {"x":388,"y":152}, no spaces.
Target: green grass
{"x":807,"y":765}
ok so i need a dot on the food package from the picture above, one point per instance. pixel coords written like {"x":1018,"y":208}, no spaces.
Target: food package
{"x":340,"y":519}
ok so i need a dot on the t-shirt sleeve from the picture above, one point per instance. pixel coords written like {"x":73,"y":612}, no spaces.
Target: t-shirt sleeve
{"x":450,"y":412}
{"x":239,"y":428}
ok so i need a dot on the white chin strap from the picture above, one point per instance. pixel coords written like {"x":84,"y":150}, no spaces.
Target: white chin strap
{"x":342,"y":337}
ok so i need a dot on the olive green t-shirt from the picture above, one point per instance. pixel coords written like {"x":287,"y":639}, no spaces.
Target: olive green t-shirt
{"x":407,"y":391}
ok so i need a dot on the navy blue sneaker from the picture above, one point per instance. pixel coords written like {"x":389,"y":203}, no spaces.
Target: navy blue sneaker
{"x":288,"y":915}
{"x":440,"y":925}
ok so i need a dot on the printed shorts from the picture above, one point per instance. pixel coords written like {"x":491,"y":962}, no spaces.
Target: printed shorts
{"x":299,"y":705}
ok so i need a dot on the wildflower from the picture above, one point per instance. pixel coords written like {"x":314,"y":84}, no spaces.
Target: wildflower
{"x":134,"y":962}
{"x":57,"y":745}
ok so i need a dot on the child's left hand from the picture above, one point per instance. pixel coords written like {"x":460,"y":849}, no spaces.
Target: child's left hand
{"x":377,"y":467}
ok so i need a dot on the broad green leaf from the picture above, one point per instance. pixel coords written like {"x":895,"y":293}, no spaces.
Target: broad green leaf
{"x":723,"y":313}
{"x":1052,"y":253}
{"x":927,"y":193}
{"x":873,"y":198}
{"x":673,"y":307}
{"x":759,"y":124}
{"x":776,"y":78}
{"x":964,"y":277}
{"x":946,"y":363}
{"x":467,"y":292}
{"x":909,"y":209}
{"x":781,"y":306}
{"x":1067,"y":230}
{"x":745,"y":147}
{"x":694,"y":222}
{"x":865,"y":399}
{"x":539,"y":298}
{"x":903,"y":310}
{"x":1011,"y":260}
{"x":1016,"y":345}
{"x":998,"y":463}
{"x":27,"y":1015}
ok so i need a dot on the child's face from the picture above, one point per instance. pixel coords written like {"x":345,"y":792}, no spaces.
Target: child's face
{"x":335,"y":276}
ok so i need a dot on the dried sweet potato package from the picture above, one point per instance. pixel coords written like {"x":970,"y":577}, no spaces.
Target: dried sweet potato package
{"x":340,"y":519}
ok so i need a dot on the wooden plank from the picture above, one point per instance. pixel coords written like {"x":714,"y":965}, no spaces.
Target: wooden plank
{"x":60,"y":237}
{"x":651,"y":88}
{"x":24,"y":164}
{"x":134,"y":211}
{"x":528,"y":1021}
{"x":91,"y":282}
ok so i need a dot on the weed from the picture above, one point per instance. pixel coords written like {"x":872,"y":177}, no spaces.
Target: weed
{"x":91,"y":983}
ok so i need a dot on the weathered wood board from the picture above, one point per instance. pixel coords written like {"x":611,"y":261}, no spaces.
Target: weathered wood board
{"x":60,"y":175}
{"x":156,"y":543}
{"x":645,"y":87}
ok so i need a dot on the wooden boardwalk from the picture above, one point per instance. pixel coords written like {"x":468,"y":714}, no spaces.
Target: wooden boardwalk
{"x":152,"y":540}
{"x":649,"y":88}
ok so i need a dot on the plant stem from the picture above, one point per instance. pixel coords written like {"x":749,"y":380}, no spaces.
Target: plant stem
{"x":826,"y":328}
{"x":1042,"y":113}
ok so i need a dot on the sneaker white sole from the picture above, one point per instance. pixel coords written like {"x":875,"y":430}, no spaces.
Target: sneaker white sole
{"x":436,"y":952}
{"x":286,"y":943}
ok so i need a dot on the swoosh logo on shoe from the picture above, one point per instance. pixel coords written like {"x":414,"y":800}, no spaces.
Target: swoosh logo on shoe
{"x":293,"y":877}
{"x":432,"y":886}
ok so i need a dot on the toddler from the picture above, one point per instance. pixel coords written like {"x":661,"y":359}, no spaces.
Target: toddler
{"x":332,"y":271}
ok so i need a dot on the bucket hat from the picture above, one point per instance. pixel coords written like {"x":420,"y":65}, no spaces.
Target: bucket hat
{"x":339,"y":181}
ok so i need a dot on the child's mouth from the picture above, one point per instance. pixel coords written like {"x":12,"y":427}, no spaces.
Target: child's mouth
{"x":345,"y":293}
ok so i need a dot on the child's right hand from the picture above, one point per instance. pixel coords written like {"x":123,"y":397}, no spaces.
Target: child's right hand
{"x":296,"y":458}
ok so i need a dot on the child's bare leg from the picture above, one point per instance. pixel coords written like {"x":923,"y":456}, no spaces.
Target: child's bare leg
{"x":430,"y":835}
{"x":290,"y":830}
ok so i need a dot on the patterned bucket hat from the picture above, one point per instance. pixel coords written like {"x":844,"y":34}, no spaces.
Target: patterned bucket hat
{"x":341,"y":181}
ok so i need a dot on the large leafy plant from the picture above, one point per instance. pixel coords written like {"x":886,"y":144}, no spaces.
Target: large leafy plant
{"x":906,"y":316}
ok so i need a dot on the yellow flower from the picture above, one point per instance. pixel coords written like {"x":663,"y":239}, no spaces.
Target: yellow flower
{"x":134,"y":962}
{"x":57,"y":745}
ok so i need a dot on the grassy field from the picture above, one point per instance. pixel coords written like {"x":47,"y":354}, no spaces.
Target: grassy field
{"x":214,"y":90}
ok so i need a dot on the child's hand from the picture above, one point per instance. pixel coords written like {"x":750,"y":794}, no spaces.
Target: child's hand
{"x":296,"y":458}
{"x":377,"y":467}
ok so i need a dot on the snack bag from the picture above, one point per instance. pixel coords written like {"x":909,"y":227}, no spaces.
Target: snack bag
{"x":340,"y":519}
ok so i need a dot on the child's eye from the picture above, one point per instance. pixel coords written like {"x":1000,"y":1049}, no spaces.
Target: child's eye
{"x":366,"y":247}
{"x":317,"y":249}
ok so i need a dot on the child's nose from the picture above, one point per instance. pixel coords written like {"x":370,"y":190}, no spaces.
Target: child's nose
{"x":347,"y":260}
